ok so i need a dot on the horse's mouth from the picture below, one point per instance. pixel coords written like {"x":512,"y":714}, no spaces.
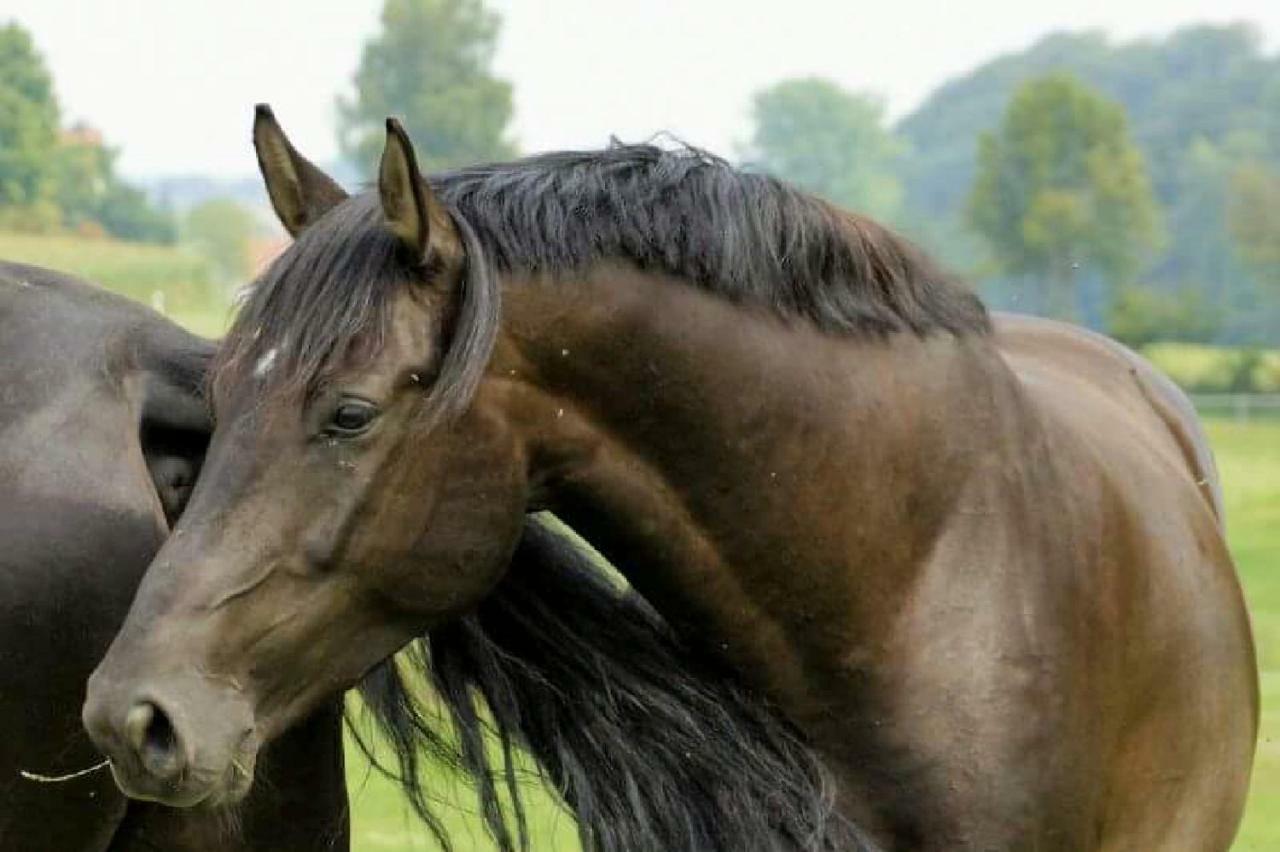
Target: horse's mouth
{"x":194,"y":788}
{"x":229,"y":794}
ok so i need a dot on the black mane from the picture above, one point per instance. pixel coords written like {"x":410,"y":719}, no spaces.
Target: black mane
{"x":746,"y":237}
{"x":652,"y":746}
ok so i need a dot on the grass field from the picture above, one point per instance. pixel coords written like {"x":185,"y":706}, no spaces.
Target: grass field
{"x":183,"y":279}
{"x":1249,"y":460}
{"x":381,"y":823}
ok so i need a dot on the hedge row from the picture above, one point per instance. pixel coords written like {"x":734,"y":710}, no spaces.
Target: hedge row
{"x":1217,"y":369}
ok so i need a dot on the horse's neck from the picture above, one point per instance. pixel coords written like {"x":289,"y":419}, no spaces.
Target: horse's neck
{"x":767,"y":487}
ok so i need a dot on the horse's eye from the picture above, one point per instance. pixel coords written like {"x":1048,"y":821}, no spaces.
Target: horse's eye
{"x":351,"y":418}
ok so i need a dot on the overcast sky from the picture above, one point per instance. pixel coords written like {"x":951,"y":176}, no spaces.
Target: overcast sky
{"x":173,"y":82}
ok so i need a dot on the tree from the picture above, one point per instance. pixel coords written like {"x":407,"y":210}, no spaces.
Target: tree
{"x":430,"y":66}
{"x":82,"y":171}
{"x":91,"y":195}
{"x":1253,"y":218}
{"x":51,"y":177}
{"x":1191,"y":97}
{"x":1062,"y":192}
{"x":1139,"y":316}
{"x":28,"y":122}
{"x":1196,"y":216}
{"x":127,"y":213}
{"x":221,"y":229}
{"x":828,"y":140}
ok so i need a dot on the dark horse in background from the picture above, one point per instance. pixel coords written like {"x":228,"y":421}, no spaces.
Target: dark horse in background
{"x":102,"y":429}
{"x":967,"y":575}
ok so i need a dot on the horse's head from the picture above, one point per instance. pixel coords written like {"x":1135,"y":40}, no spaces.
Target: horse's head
{"x":357,"y":489}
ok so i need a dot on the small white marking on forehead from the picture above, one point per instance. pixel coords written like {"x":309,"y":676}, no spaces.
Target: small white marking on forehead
{"x":265,"y":363}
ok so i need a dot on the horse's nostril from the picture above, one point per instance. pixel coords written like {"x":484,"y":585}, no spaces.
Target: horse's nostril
{"x":152,"y":735}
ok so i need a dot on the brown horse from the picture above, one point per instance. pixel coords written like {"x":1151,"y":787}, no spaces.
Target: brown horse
{"x":977,"y":567}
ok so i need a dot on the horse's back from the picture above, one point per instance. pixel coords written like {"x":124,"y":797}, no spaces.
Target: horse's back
{"x":1043,"y":350}
{"x":1168,"y":629}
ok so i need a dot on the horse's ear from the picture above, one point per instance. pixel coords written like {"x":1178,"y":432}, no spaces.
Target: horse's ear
{"x":412,"y":211}
{"x":300,"y":192}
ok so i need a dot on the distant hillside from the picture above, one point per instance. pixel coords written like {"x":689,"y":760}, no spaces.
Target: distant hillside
{"x":1202,"y":82}
{"x":1200,"y":102}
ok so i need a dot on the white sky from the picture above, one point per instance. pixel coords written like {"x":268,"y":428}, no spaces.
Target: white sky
{"x":173,"y":82}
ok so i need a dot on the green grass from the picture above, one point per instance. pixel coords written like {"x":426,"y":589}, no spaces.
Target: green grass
{"x":139,"y":271}
{"x":382,"y":823}
{"x":1249,"y":460}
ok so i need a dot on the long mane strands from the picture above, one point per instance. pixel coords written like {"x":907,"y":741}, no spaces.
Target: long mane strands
{"x":652,"y":747}
{"x":744,"y":236}
{"x":329,"y":289}
{"x":326,"y":302}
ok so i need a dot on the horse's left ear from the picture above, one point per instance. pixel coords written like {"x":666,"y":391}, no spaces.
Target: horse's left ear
{"x":299,"y":192}
{"x":412,"y":211}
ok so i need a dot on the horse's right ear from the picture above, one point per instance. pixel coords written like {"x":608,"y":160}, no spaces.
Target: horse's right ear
{"x":300,"y":192}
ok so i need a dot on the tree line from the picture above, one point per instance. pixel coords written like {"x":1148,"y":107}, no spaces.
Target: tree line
{"x":1134,"y":186}
{"x":52,"y":176}
{"x":1201,"y":108}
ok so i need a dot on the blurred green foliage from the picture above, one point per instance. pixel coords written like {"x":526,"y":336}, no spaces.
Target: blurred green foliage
{"x":28,"y":122}
{"x":51,"y":178}
{"x":830,"y":141}
{"x":1203,"y":112}
{"x":1198,"y":368}
{"x":1253,"y":215}
{"x":1141,"y":315}
{"x":430,"y":65}
{"x":222,"y":230}
{"x":1061,"y":190}
{"x":1202,"y":103}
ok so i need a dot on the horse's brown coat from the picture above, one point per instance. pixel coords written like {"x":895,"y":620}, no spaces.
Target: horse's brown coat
{"x":988,"y":575}
{"x":984,"y":572}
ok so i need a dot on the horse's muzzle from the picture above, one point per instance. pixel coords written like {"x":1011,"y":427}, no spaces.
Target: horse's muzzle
{"x":181,"y":744}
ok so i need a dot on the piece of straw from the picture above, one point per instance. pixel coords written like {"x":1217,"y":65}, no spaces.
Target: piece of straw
{"x":58,"y":779}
